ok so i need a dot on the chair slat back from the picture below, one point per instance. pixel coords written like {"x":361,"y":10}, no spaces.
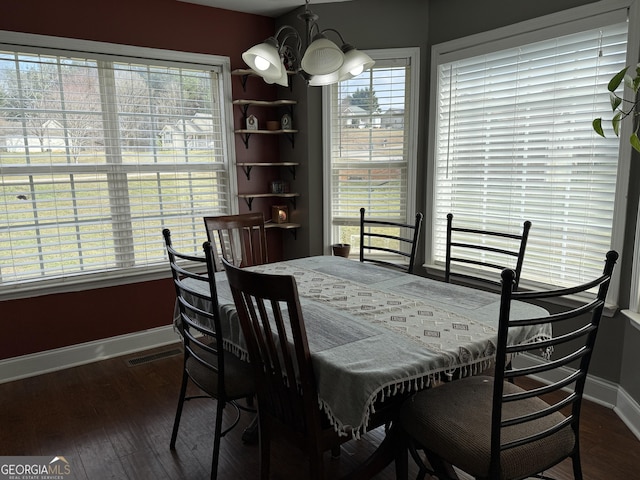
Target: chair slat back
{"x":273,"y":327}
{"x":484,"y":249}
{"x":197,"y":300}
{"x":240,"y":239}
{"x":575,"y":329}
{"x":389,"y":243}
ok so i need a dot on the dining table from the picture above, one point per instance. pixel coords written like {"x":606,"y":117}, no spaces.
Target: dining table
{"x":376,"y":334}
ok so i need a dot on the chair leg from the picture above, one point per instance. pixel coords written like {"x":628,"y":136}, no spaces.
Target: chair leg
{"x":264,"y":435}
{"x":577,"y":466}
{"x":422,"y":468}
{"x":443,"y":470}
{"x":176,"y":422}
{"x":402,"y":460}
{"x":216,"y":439}
{"x":250,"y":433}
{"x":316,"y":465}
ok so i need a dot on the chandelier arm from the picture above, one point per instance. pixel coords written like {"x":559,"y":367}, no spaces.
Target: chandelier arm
{"x":295,"y":35}
{"x":290,"y":33}
{"x":334,"y":31}
{"x":310,"y":34}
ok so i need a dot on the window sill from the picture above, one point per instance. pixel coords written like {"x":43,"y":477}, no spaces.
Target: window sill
{"x":610,"y":309}
{"x":79,"y":283}
{"x":634,"y":318}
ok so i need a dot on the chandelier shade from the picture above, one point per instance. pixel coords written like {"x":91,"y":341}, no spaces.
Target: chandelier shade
{"x":327,"y":79}
{"x":283,"y":79}
{"x":322,"y":62}
{"x":322,"y":57}
{"x":264,"y":59}
{"x":355,"y":62}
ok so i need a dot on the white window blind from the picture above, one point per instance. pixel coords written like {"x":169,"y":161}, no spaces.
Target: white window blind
{"x":514,"y":142}
{"x":372,"y":155}
{"x":98,"y":154}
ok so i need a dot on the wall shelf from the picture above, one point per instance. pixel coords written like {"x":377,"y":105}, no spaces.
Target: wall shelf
{"x":249,"y":197}
{"x":245,"y":73}
{"x":264,"y":103}
{"x":284,"y":226}
{"x":291,"y":227}
{"x":246,"y":133}
{"x":247,"y":166}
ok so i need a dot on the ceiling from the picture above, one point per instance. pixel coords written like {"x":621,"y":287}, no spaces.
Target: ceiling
{"x":269,"y":8}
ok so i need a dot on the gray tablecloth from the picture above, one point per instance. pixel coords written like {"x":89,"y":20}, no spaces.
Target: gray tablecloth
{"x":374,"y":332}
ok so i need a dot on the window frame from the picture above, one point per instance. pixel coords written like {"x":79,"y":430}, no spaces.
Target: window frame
{"x":633,"y":57}
{"x":413,"y":54}
{"x":34,"y":43}
{"x":528,"y":32}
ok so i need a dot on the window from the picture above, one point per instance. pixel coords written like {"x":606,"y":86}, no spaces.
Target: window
{"x":512,"y":141}
{"x":99,"y":153}
{"x":371,"y":156}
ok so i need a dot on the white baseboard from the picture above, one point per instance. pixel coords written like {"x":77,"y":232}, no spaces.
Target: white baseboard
{"x":51,"y":360}
{"x":600,"y":391}
{"x":629,"y":412}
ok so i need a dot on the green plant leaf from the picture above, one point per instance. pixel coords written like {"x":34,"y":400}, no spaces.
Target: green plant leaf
{"x":615,"y":101}
{"x":615,"y":123}
{"x":628,"y":81}
{"x":617,"y":79}
{"x":597,"y":126}
{"x":635,"y":142}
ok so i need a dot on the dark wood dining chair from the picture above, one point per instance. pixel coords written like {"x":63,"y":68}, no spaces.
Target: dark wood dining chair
{"x":217,"y":373}
{"x":240,"y":239}
{"x":389,"y":243}
{"x":274,"y":330}
{"x":487,"y":250}
{"x":491,"y":428}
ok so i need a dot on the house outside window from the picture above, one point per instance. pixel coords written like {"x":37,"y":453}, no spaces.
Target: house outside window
{"x":371,"y":156}
{"x":511,"y":137}
{"x":99,"y":152}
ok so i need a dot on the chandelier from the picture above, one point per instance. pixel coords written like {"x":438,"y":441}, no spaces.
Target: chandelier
{"x":322,"y":63}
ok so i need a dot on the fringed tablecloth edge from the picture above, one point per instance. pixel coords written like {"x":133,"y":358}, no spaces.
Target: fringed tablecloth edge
{"x":409,"y":385}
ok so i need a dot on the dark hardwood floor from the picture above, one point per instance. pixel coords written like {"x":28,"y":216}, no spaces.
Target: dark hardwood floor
{"x":113,"y":420}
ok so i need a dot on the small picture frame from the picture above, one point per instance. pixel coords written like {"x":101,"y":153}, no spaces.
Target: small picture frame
{"x":280,"y":213}
{"x":285,"y":122}
{"x":252,"y":122}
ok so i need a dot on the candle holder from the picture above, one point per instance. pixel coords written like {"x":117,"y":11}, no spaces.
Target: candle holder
{"x":280,"y":213}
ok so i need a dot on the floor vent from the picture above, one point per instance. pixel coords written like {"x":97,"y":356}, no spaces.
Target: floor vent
{"x":153,"y":357}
